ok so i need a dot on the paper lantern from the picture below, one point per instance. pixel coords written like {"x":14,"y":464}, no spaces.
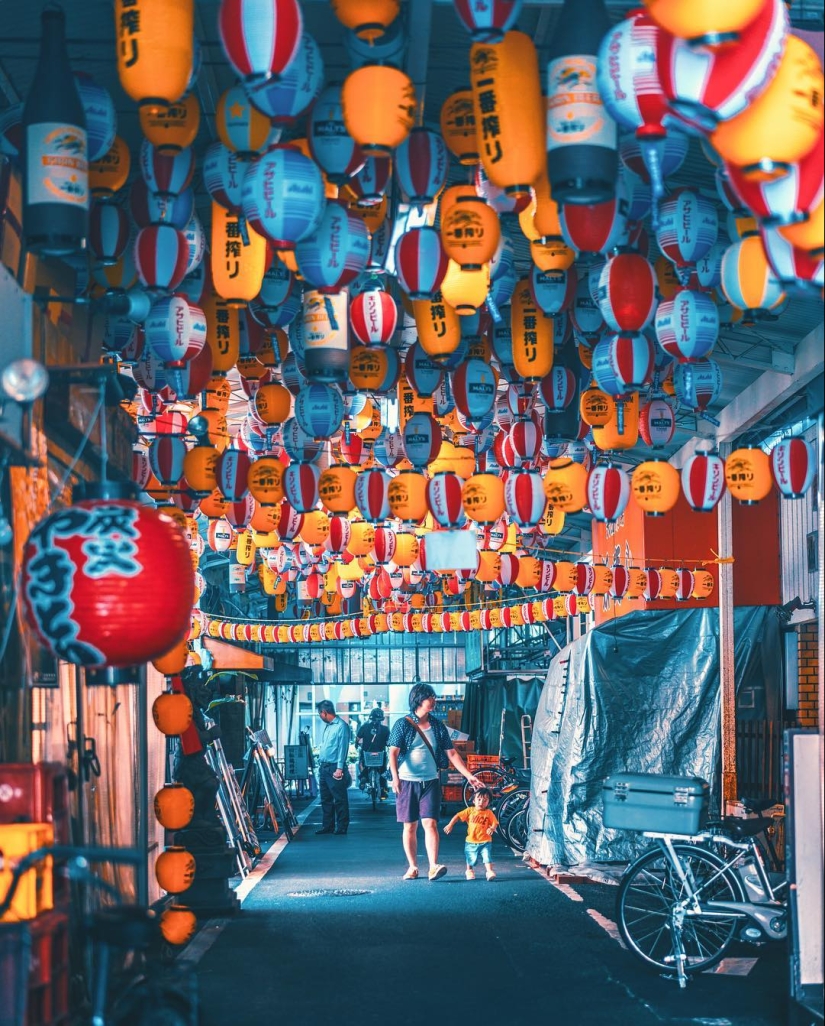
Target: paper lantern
{"x":283,"y":196}
{"x":108,"y":231}
{"x":421,"y":262}
{"x":174,"y":806}
{"x":166,"y":175}
{"x":175,"y":869}
{"x":111,"y":172}
{"x":173,"y":127}
{"x":748,"y":475}
{"x":336,"y":490}
{"x":783,"y":199}
{"x":483,"y":498}
{"x":92,"y":571}
{"x":238,"y":259}
{"x":260,"y":39}
{"x":657,"y":423}
{"x":336,"y":252}
{"x":655,"y":487}
{"x":557,"y":389}
{"x":703,"y":481}
{"x":565,"y":485}
{"x":178,"y":924}
{"x":626,"y":293}
{"x":458,"y":126}
{"x":265,"y":481}
{"x":300,"y":484}
{"x":378,"y":103}
{"x":422,"y":439}
{"x":623,"y":363}
{"x":161,"y":256}
{"x":524,"y":497}
{"x":474,"y":388}
{"x":699,"y":384}
{"x":653,"y":585}
{"x":172,"y":713}
{"x":487,"y":20}
{"x":792,"y":266}
{"x":509,"y":106}
{"x":332,"y":147}
{"x":793,"y":465}
{"x":439,"y":335}
{"x":166,"y":456}
{"x":596,"y":407}
{"x":371,"y":495}
{"x":687,"y":325}
{"x":444,"y":499}
{"x":532,"y":335}
{"x":319,"y":410}
{"x":703,"y":584}
{"x":705,"y":23}
{"x":470,"y":232}
{"x":373,"y":316}
{"x":748,"y":280}
{"x":367,"y":19}
{"x":286,"y":97}
{"x":596,"y":227}
{"x":155,"y":42}
{"x":421,"y":164}
{"x":407,"y":497}
{"x":232,"y":475}
{"x":608,"y":491}
{"x":688,"y":226}
{"x":782,"y":124}
{"x":465,"y":290}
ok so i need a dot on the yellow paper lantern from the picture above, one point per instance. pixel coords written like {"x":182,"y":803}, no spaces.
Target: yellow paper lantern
{"x":111,"y":171}
{"x":783,"y":123}
{"x":565,"y":485}
{"x":438,"y":326}
{"x":565,"y":578}
{"x":155,"y":46}
{"x":174,"y":806}
{"x":368,"y":19}
{"x":272,"y":402}
{"x":808,"y":234}
{"x":596,"y":407}
{"x":458,"y":126}
{"x":178,"y":924}
{"x":748,"y":475}
{"x":238,"y":258}
{"x":463,"y":289}
{"x":603,"y":581}
{"x":406,"y":549}
{"x":264,"y":520}
{"x":510,"y":111}
{"x":529,"y":572}
{"x":636,"y":583}
{"x":368,"y":367}
{"x":656,"y":486}
{"x":213,"y":506}
{"x":336,"y":490}
{"x":622,"y":431}
{"x":560,"y":606}
{"x":705,"y":22}
{"x":532,"y":334}
{"x":489,"y":566}
{"x":175,"y":869}
{"x":703,"y":584}
{"x":265,"y":481}
{"x":362,"y":539}
{"x":483,"y":498}
{"x":217,"y":429}
{"x":670,"y":582}
{"x":407,"y":497}
{"x":218,"y":390}
{"x":200,"y":466}
{"x":245,"y":548}
{"x":552,"y":521}
{"x":173,"y":661}
{"x":552,"y":254}
{"x":470,"y":232}
{"x":372,"y":214}
{"x":172,"y":713}
{"x":315,"y":528}
{"x":456,"y":458}
{"x":378,"y":103}
{"x":173,"y":127}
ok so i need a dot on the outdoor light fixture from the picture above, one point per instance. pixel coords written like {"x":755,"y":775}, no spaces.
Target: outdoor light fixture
{"x":22,"y":382}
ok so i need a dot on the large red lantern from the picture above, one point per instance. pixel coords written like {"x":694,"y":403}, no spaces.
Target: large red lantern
{"x":627,"y":292}
{"x":703,"y":481}
{"x":107,"y":582}
{"x":793,"y":465}
{"x":373,"y":317}
{"x":260,"y":38}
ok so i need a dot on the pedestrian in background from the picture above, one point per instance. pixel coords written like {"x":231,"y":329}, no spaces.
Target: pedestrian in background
{"x":333,"y":775}
{"x":420,"y":745}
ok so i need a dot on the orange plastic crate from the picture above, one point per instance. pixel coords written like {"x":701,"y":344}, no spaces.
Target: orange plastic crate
{"x":479,"y":761}
{"x":452,"y":793}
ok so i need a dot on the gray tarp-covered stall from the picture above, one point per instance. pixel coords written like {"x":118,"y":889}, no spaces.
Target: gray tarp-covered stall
{"x":495,"y":702}
{"x":640,"y":694}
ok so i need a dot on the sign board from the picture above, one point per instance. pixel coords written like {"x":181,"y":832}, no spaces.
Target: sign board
{"x":296,"y":763}
{"x":456,"y":735}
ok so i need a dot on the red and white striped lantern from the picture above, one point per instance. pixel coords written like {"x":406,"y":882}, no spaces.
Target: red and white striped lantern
{"x":421,"y":166}
{"x":260,"y":37}
{"x":608,"y":490}
{"x":340,"y":532}
{"x":487,"y":21}
{"x":166,"y":174}
{"x":384,"y":545}
{"x":596,"y":227}
{"x":223,"y":175}
{"x":524,"y":497}
{"x":653,"y":585}
{"x":474,"y":388}
{"x":373,"y":317}
{"x":623,"y":363}
{"x":508,"y":570}
{"x":584,"y":579}
{"x":657,"y":423}
{"x":786,"y":198}
{"x":369,"y":185}
{"x":703,"y":481}
{"x":300,"y":484}
{"x":166,"y":455}
{"x":687,"y":326}
{"x":793,"y":465}
{"x":525,"y":438}
{"x":108,"y":232}
{"x":626,"y":292}
{"x":621,"y":582}
{"x":175,"y":331}
{"x":421,"y":262}
{"x":372,"y":495}
{"x":290,"y":522}
{"x":232,"y":474}
{"x":422,"y":439}
{"x":793,"y":266}
{"x":444,"y":499}
{"x":556,"y":389}
{"x":161,"y":256}
{"x":686,"y":584}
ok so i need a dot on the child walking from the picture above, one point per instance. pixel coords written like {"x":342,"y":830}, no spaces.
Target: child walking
{"x":481,"y":822}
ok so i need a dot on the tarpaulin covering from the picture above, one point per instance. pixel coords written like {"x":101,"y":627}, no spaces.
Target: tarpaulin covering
{"x":640,"y":694}
{"x":486,"y":700}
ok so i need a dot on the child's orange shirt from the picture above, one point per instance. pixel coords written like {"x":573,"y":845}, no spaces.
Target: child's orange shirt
{"x":479,"y":824}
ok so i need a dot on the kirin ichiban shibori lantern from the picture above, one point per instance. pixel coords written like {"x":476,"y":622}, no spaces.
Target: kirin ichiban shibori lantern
{"x":655,"y":486}
{"x":748,"y":475}
{"x":793,"y":464}
{"x":107,"y":582}
{"x":155,"y":47}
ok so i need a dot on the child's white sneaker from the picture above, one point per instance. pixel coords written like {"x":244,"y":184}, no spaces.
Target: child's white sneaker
{"x":469,"y":874}
{"x":491,"y":874}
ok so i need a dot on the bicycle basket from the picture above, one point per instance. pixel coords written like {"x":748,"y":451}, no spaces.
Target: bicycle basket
{"x":373,"y":759}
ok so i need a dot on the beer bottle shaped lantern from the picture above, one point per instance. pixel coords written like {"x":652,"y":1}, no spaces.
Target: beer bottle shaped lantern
{"x":56,"y":180}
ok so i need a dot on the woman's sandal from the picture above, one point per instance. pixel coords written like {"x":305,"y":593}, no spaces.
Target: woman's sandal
{"x":411,"y":874}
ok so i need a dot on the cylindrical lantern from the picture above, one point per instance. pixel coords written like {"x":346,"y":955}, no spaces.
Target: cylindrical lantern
{"x":238,"y":258}
{"x":608,"y":491}
{"x":260,"y":39}
{"x":155,"y":44}
{"x":793,"y":464}
{"x":748,"y":475}
{"x":532,"y":334}
{"x":655,"y":487}
{"x":458,"y":126}
{"x":703,"y":481}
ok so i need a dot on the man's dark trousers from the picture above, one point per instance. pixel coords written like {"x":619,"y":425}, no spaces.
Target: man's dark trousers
{"x":334,"y":798}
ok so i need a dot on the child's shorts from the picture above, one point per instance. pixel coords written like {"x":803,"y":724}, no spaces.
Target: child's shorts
{"x":472,"y":852}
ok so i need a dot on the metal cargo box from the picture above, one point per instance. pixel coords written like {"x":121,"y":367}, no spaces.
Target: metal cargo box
{"x":650,"y":801}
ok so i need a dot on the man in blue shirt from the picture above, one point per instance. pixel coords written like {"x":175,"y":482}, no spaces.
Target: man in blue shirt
{"x":333,"y":775}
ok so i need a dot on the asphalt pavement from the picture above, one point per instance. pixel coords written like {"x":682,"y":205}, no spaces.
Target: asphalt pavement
{"x":332,"y":936}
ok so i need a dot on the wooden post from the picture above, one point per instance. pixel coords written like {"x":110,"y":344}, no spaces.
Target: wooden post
{"x":727,"y":667}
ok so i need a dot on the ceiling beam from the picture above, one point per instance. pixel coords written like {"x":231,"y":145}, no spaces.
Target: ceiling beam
{"x":763,"y":396}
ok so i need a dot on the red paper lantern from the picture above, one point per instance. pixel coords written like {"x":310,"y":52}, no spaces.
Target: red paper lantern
{"x":444,"y":499}
{"x":107,"y":582}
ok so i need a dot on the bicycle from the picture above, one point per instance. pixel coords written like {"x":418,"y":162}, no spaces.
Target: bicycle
{"x":501,"y":779}
{"x":681,"y":903}
{"x":374,"y":764}
{"x":772,"y":843}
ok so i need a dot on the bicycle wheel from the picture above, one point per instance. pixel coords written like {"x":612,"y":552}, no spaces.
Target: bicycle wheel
{"x":511,"y":803}
{"x":492,"y":778}
{"x":518,"y":829}
{"x":375,"y":788}
{"x":649,"y":890}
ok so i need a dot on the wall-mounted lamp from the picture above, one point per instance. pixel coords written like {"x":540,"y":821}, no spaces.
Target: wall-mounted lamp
{"x":22,"y":382}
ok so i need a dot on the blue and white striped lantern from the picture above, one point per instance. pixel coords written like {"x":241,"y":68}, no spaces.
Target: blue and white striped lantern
{"x":336,"y":252}
{"x":501,"y":290}
{"x":166,"y":174}
{"x":174,"y":330}
{"x":319,"y":409}
{"x":553,"y":290}
{"x":166,"y":455}
{"x":422,"y":439}
{"x":688,"y":227}
{"x":331,"y":146}
{"x":278,"y":283}
{"x":687,"y":326}
{"x":298,"y":444}
{"x":556,"y":389}
{"x":283,"y":196}
{"x":420,"y":262}
{"x":148,"y":208}
{"x":697,"y":385}
{"x":502,"y":339}
{"x":101,"y":119}
{"x":708,"y":270}
{"x":623,"y":363}
{"x":196,"y":243}
{"x":586,"y":315}
{"x":223,"y":175}
{"x":108,"y":231}
{"x":474,"y":388}
{"x":487,"y":21}
{"x":280,"y":316}
{"x":421,"y":166}
{"x":285,"y":98}
{"x":370,"y":184}
{"x":608,"y":491}
{"x":300,"y":484}
{"x":638,"y":194}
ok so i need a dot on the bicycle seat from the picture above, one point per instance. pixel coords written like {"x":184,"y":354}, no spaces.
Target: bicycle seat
{"x":741,"y":828}
{"x":757,"y":804}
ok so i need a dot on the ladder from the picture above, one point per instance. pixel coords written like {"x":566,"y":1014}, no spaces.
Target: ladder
{"x":232,"y":810}
{"x":526,"y":739}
